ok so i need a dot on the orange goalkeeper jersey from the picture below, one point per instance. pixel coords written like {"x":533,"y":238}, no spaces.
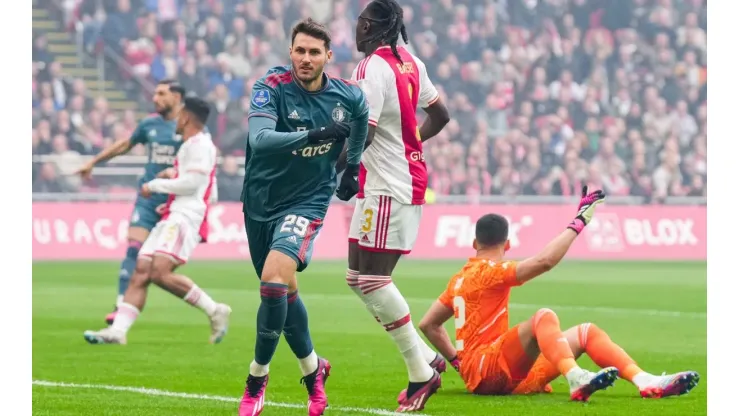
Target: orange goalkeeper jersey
{"x":479,"y":295}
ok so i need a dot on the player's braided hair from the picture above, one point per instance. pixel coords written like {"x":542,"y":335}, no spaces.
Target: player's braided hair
{"x":388,"y":14}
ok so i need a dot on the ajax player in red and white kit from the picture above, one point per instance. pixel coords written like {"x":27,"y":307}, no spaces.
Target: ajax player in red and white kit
{"x":392,"y":185}
{"x":183,"y":226}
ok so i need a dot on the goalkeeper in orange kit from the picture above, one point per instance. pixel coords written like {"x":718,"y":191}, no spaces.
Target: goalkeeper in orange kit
{"x":495,"y":359}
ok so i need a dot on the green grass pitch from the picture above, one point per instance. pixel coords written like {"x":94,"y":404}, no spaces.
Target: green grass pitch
{"x":656,"y":311}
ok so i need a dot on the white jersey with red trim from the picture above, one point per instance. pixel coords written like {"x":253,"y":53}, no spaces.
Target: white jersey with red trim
{"x":393,"y":165}
{"x":196,"y":163}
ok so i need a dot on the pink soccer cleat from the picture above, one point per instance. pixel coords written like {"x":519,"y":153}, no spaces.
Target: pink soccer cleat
{"x":587,"y":383}
{"x":419,"y":398}
{"x":315,"y":383}
{"x":111,"y":316}
{"x":439,"y":363}
{"x":671,"y":385}
{"x":253,"y":400}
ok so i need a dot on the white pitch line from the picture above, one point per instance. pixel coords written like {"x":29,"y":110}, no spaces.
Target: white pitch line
{"x":209,"y":397}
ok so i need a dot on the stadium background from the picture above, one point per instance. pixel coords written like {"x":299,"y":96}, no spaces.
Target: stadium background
{"x":545,"y":95}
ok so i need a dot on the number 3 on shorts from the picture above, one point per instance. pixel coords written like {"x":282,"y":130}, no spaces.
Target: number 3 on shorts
{"x":367,"y":223}
{"x":295,"y":224}
{"x":171,"y":233}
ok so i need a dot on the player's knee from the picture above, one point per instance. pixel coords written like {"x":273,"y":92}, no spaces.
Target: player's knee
{"x":541,"y":314}
{"x":158,"y":274}
{"x":273,"y":275}
{"x":279,"y":268}
{"x":588,"y":330}
{"x":132,"y":252}
{"x":141,"y":272}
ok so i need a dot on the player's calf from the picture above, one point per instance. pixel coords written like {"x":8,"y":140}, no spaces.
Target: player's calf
{"x":279,"y":269}
{"x":606,"y":353}
{"x":542,"y":334}
{"x":162,"y":274}
{"x":125,"y":274}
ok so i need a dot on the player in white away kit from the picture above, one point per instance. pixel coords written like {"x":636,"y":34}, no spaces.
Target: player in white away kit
{"x":182,"y":227}
{"x":392,"y":185}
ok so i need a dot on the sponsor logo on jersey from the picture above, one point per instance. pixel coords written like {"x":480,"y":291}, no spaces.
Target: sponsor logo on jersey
{"x":293,"y":115}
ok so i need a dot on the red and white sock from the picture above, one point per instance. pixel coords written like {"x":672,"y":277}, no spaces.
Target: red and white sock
{"x":369,"y":284}
{"x":394,"y":314}
{"x":200,"y":299}
{"x":125,"y":317}
{"x":352,"y":276}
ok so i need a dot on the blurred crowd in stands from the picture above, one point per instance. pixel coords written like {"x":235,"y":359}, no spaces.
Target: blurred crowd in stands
{"x":545,"y":95}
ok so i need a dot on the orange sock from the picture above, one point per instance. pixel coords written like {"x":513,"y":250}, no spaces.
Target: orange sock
{"x":552,"y":343}
{"x":604,"y":352}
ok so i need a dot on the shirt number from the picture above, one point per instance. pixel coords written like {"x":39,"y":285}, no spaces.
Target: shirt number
{"x":295,"y":224}
{"x":458,"y":302}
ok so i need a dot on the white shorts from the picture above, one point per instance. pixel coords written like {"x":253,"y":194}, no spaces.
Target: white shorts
{"x":382,"y":224}
{"x":175,"y":237}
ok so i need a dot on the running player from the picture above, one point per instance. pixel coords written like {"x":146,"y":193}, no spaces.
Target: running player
{"x":157,"y":132}
{"x":495,"y":359}
{"x":298,"y":122}
{"x":182,"y":228}
{"x":393,"y":181}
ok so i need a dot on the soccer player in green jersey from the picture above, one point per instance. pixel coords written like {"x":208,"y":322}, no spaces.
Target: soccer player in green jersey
{"x":157,"y":133}
{"x":299,"y":121}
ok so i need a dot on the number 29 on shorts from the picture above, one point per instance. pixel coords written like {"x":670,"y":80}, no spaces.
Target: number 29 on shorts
{"x":295,"y":224}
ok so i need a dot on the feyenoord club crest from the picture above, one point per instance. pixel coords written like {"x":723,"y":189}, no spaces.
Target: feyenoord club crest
{"x":338,"y":113}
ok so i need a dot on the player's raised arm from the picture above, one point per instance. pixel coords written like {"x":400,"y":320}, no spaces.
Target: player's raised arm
{"x":437,"y":113}
{"x":554,"y":251}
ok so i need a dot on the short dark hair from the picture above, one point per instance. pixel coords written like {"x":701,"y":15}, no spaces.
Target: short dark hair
{"x":175,"y":86}
{"x":491,"y":230}
{"x":198,"y":107}
{"x":312,"y":28}
{"x":388,"y":15}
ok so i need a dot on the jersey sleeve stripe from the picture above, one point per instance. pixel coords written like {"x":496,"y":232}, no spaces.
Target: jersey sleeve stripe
{"x":361,"y":68}
{"x":270,"y":116}
{"x":372,"y":122}
{"x":433,"y":100}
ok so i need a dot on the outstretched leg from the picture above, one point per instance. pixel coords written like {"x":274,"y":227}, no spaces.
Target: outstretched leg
{"x":163,"y":275}
{"x":605,"y":353}
{"x":542,"y":334}
{"x":128,"y":309}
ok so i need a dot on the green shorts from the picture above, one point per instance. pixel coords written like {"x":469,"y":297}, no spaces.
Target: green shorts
{"x":292,"y":235}
{"x":145,"y":213}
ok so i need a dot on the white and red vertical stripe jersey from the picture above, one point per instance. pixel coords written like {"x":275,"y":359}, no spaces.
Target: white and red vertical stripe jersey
{"x":393,"y":165}
{"x":197,"y":160}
